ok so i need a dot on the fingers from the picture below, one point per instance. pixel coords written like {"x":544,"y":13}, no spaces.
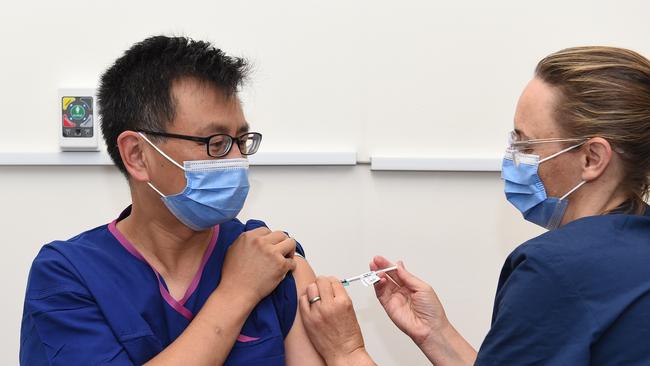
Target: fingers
{"x":283,"y":243}
{"x":407,"y":279}
{"x":305,"y":304}
{"x":276,"y":237}
{"x":286,"y":247}
{"x":384,"y":289}
{"x":312,"y":291}
{"x":331,"y":292}
{"x":267,"y":235}
{"x":260,"y":231}
{"x":381,"y":262}
{"x":373,"y":266}
{"x":325,"y":289}
{"x":258,"y":260}
{"x":330,"y":323}
{"x":290,"y":264}
{"x":305,"y":309}
{"x":380,"y":286}
{"x":387,"y":286}
{"x":337,"y":288}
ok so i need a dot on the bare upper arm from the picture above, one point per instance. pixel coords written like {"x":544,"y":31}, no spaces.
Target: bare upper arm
{"x":298,"y":347}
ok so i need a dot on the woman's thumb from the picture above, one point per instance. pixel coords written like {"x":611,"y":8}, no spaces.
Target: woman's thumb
{"x":407,"y":278}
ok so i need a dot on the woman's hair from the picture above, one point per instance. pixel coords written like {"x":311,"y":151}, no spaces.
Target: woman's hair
{"x":605,"y":92}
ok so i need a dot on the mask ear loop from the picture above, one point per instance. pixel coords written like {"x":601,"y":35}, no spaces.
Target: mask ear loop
{"x":558,"y":213}
{"x":156,"y":189}
{"x":573,"y":190}
{"x":561,"y":152}
{"x":160,"y":151}
{"x":165,"y":156}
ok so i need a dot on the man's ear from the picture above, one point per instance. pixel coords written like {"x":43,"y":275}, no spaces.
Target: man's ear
{"x":597,"y":156}
{"x":132,"y":151}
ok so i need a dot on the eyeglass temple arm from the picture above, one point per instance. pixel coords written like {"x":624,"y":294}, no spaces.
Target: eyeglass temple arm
{"x":541,"y":141}
{"x":205,"y":140}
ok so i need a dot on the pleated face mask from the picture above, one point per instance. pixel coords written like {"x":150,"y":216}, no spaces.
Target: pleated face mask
{"x":215,"y":191}
{"x":525,"y":190}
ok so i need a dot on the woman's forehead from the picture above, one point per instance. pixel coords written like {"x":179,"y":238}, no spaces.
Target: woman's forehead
{"x":535,"y":113}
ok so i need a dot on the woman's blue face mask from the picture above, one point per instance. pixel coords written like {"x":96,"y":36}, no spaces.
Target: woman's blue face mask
{"x":525,"y":190}
{"x":215,"y":191}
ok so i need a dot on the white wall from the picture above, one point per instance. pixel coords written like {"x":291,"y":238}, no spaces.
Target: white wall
{"x":396,"y":78}
{"x":375,"y":76}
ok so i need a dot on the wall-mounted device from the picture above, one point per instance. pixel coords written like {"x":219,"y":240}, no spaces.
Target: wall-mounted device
{"x":78,"y":123}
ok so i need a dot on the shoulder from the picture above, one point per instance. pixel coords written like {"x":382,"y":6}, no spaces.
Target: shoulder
{"x":60,"y":251}
{"x":556,"y":258}
{"x":582,"y":257}
{"x":88,"y":241}
{"x":285,"y":296}
{"x":589,"y":237}
{"x":230,"y":231}
{"x":60,"y":264}
{"x":51,"y":275}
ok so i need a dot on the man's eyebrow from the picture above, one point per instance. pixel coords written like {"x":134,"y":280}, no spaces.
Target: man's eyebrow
{"x":217,"y":127}
{"x":243,"y":129}
{"x":212,"y":128}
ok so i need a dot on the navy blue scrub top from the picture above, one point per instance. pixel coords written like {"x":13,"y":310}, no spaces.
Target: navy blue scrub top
{"x":577,"y":295}
{"x":94,"y":299}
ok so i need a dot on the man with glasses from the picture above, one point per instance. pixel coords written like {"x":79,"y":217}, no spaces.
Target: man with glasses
{"x":176,"y":278}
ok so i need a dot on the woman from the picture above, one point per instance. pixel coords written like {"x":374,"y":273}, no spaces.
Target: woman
{"x":578,"y":164}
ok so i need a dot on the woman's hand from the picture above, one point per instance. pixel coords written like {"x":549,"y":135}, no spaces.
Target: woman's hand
{"x":409,"y":302}
{"x":416,"y":310}
{"x":328,"y":315}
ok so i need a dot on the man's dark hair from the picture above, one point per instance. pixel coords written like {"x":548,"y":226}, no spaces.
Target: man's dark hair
{"x":135,"y":92}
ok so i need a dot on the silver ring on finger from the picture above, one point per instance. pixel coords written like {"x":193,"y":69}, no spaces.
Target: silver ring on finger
{"x":315,"y":299}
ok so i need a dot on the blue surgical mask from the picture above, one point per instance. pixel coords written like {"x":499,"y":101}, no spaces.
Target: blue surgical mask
{"x":525,"y":190}
{"x":215,"y":191}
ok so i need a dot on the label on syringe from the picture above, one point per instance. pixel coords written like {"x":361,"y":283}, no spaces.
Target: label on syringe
{"x":369,"y":279}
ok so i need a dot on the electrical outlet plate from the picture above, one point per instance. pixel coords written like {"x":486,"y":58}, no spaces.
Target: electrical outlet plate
{"x":78,"y":123}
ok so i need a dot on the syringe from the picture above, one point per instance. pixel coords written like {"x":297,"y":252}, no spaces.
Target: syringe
{"x":367,"y":278}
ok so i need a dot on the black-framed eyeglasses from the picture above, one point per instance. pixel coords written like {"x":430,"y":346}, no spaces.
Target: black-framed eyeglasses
{"x":219,"y":145}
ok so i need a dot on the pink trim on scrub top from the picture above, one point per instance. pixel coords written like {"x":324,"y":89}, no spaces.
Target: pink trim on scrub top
{"x":245,"y":338}
{"x":176,"y":305}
